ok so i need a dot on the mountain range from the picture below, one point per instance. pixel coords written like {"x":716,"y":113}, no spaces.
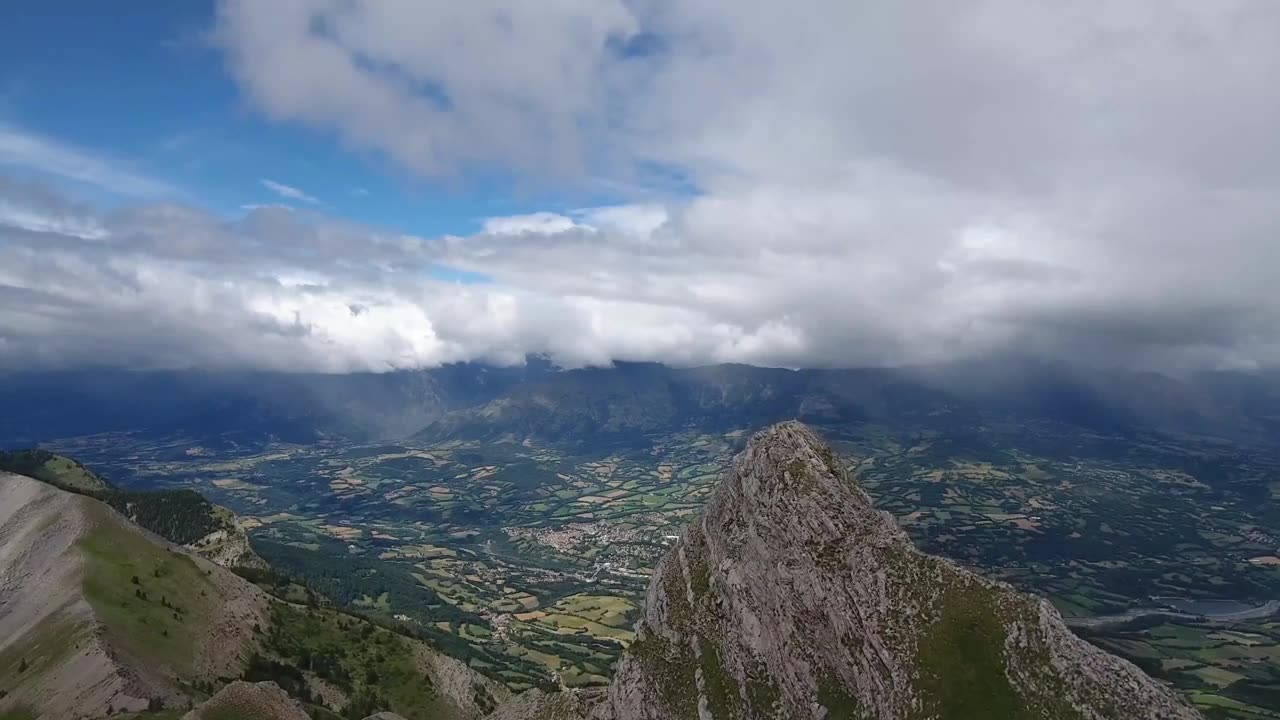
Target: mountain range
{"x":621,"y":404}
{"x":790,"y":597}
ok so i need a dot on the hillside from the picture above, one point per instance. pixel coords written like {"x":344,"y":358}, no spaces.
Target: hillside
{"x":793,"y":598}
{"x":57,"y":470}
{"x":95,"y":614}
{"x":331,"y":659}
{"x":99,"y":616}
{"x":184,"y":517}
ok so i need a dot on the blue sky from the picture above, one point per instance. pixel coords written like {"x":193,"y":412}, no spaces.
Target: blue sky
{"x":148,"y":92}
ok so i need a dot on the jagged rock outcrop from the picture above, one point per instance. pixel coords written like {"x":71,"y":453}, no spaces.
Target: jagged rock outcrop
{"x":260,"y":701}
{"x":468,"y":693}
{"x":794,"y":598}
{"x":227,"y":546}
{"x":538,"y":705}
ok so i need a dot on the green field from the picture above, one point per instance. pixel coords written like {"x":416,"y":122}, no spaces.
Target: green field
{"x":531,"y":560}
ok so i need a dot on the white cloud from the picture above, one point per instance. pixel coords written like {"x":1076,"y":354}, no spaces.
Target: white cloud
{"x":625,"y":219}
{"x":990,"y":94}
{"x":23,"y":218}
{"x":766,"y":277}
{"x":631,"y":220}
{"x":876,"y":183}
{"x":288,"y":191}
{"x":32,"y":152}
{"x":439,"y":87}
{"x":539,"y":223}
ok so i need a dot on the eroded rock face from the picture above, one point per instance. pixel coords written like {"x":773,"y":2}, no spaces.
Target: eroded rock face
{"x":794,"y":598}
{"x":537,"y":705}
{"x":228,"y":546}
{"x":261,"y":701}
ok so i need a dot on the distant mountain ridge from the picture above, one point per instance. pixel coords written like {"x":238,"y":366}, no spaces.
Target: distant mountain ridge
{"x":620,"y":403}
{"x":631,"y":402}
{"x":228,"y":409}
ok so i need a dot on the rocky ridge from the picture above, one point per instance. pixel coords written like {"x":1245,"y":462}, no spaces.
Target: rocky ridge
{"x":100,"y":616}
{"x":261,"y":701}
{"x":78,"y":636}
{"x":224,"y":540}
{"x":227,"y":546}
{"x":794,"y":598}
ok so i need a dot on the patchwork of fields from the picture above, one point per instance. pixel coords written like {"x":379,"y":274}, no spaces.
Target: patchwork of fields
{"x":532,"y":560}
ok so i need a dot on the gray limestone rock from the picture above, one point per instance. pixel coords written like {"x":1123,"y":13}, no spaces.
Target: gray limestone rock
{"x":794,"y":598}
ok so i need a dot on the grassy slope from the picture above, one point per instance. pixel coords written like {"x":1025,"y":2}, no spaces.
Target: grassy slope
{"x":182,"y":516}
{"x":41,"y":650}
{"x":157,"y":618}
{"x":153,"y":604}
{"x":222,"y":714}
{"x":963,"y":667}
{"x":371,"y":664}
{"x":67,"y":473}
{"x":157,"y":634}
{"x":57,"y":470}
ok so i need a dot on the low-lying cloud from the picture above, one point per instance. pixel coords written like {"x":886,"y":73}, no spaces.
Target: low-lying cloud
{"x":764,"y":280}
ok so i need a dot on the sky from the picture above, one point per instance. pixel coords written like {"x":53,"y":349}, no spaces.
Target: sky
{"x":331,"y":186}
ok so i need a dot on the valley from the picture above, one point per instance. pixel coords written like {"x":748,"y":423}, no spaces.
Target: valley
{"x":639,"y":360}
{"x":529,"y":558}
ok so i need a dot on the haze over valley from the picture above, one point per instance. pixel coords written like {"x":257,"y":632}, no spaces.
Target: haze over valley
{"x":640,"y":360}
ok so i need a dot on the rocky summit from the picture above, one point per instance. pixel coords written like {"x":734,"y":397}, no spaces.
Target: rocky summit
{"x":794,"y":598}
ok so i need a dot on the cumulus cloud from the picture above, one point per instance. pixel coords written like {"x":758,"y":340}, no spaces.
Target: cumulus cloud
{"x":723,"y":279}
{"x":993,"y":94}
{"x":442,"y":86}
{"x":876,"y":183}
{"x":542,"y":223}
{"x":171,"y":286}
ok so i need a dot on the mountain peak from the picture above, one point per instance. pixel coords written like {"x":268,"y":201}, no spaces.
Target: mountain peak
{"x":793,"y":597}
{"x":787,"y":459}
{"x":240,"y":699}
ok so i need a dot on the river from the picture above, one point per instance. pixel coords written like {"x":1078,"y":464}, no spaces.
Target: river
{"x":1216,"y":611}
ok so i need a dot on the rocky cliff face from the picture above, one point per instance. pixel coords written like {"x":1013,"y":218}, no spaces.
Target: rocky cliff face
{"x":261,"y":701}
{"x":227,"y":546}
{"x":794,"y":598}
